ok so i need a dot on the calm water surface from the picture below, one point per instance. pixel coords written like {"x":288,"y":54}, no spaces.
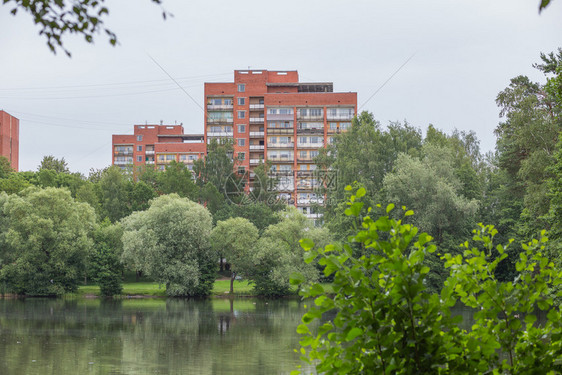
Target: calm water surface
{"x":148,"y":336}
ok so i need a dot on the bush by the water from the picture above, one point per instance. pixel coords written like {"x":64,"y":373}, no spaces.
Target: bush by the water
{"x":388,"y":322}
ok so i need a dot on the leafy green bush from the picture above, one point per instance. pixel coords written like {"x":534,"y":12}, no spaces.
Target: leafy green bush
{"x":386,"y":321}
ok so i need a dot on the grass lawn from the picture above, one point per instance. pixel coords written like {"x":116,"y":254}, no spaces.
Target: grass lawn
{"x":150,"y":288}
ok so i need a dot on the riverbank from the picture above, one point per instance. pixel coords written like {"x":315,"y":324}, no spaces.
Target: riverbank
{"x":149,"y":289}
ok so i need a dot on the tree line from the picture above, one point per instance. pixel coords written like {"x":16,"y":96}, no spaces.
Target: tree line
{"x":169,"y":224}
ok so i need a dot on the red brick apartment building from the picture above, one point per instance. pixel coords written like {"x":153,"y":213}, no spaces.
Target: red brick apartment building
{"x":271,"y":116}
{"x":157,"y":145}
{"x":10,"y":138}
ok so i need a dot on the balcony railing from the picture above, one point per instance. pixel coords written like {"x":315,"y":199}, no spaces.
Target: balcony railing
{"x":313,"y":216}
{"x":128,"y":152}
{"x":276,"y":158}
{"x":256,"y":147}
{"x":310,"y":130}
{"x":256,"y":120}
{"x":305,"y":160}
{"x":340,"y":116}
{"x":255,"y":161}
{"x":123,"y":162}
{"x":219,"y":134}
{"x":309,"y":201}
{"x":280,"y":131}
{"x":310,"y":117}
{"x":223,"y":120}
{"x":256,"y":107}
{"x":289,"y":117}
{"x":149,"y":162}
{"x":280,"y":145}
{"x":310,"y":145}
{"x":149,"y":152}
{"x":214,"y":107}
{"x":256,"y":134}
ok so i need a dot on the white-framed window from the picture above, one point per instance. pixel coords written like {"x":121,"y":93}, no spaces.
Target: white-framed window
{"x":139,"y":158}
{"x":241,"y":156}
{"x":241,"y":87}
{"x":303,"y":154}
{"x":241,"y":128}
{"x":139,"y":138}
{"x":313,"y":154}
{"x":344,"y":125}
{"x":333,"y":125}
{"x":139,"y":148}
{"x":241,"y":114}
{"x":241,"y":101}
{"x":170,"y":157}
{"x":241,"y":142}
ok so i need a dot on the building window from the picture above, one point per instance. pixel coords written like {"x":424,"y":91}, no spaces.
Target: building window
{"x":139,"y":158}
{"x":241,"y":128}
{"x":241,"y":156}
{"x":139,"y":138}
{"x":241,"y":170}
{"x":241,"y":101}
{"x":241,"y":142}
{"x":241,"y":114}
{"x":170,"y":157}
{"x":139,"y":148}
{"x":241,"y":87}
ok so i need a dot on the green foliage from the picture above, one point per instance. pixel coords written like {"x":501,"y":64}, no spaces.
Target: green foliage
{"x":5,"y":167}
{"x":177,"y":178}
{"x":170,"y":242}
{"x":278,"y":254}
{"x":13,"y":183}
{"x":44,"y":241}
{"x":105,"y":261}
{"x":54,"y":164}
{"x":388,"y":322}
{"x":233,"y":239}
{"x":114,"y":187}
{"x":58,"y":18}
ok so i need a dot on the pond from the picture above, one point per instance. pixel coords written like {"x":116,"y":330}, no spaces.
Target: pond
{"x":148,"y":336}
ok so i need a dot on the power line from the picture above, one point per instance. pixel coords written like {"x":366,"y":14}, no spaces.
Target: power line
{"x":110,"y":84}
{"x":389,"y":78}
{"x":172,"y":78}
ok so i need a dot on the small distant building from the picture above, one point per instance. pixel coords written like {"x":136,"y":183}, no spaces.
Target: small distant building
{"x":157,"y":145}
{"x":10,"y":138}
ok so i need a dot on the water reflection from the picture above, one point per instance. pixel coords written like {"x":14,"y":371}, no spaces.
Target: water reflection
{"x":149,"y":336}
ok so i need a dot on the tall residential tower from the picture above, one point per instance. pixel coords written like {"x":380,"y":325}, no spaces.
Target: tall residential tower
{"x":271,"y":116}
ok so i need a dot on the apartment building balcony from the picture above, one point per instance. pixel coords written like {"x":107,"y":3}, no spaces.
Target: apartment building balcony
{"x":281,"y":159}
{"x":122,"y":153}
{"x":313,"y":216}
{"x":310,"y":145}
{"x":256,"y":147}
{"x":223,"y":120}
{"x":340,"y":117}
{"x":256,"y":134}
{"x":309,"y":201}
{"x":305,"y":160}
{"x":280,"y":145}
{"x":149,"y":162}
{"x":255,"y":161}
{"x":219,"y":107}
{"x":256,"y":120}
{"x":256,"y":107}
{"x":285,"y":117}
{"x":123,"y":162}
{"x":310,"y":117}
{"x":310,"y":130}
{"x":273,"y":131}
{"x":149,"y":152}
{"x":220,"y":134}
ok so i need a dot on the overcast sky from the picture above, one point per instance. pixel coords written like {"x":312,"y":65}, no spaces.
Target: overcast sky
{"x":465,"y":52}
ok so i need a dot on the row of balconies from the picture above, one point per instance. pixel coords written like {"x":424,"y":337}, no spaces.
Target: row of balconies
{"x":220,"y":134}
{"x":223,"y":120}
{"x":214,"y":107}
